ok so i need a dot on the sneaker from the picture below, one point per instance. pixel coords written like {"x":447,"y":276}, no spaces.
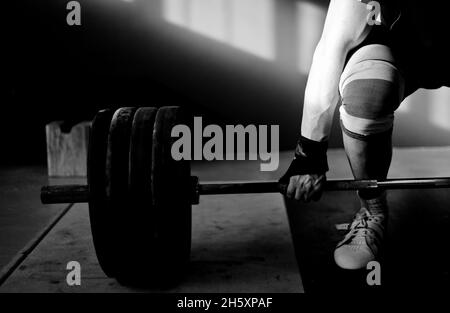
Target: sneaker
{"x":363,"y":241}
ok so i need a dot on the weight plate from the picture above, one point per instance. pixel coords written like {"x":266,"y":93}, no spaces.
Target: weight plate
{"x":117,"y":167}
{"x":139,"y":217}
{"x":98,"y":211}
{"x":171,"y":195}
{"x":141,"y":156}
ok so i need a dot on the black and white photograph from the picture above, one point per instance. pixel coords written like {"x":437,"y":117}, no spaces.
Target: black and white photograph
{"x":225,"y":153}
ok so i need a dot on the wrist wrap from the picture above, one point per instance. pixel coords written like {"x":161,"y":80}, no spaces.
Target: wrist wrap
{"x":310,"y":158}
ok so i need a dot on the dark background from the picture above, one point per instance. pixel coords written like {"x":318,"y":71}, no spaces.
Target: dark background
{"x":129,"y":53}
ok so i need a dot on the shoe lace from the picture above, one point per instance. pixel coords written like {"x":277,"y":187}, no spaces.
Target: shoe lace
{"x":376,"y":206}
{"x":366,"y":228}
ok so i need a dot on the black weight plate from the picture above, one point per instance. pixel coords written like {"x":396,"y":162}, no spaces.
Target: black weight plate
{"x":117,"y":166}
{"x":171,"y":195}
{"x":98,"y":212}
{"x":139,"y":215}
{"x":141,"y":156}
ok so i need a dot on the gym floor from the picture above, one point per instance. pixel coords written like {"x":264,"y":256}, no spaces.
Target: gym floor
{"x":241,"y":243}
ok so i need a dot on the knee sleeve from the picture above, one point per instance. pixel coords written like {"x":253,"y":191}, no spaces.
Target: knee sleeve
{"x":371,"y":90}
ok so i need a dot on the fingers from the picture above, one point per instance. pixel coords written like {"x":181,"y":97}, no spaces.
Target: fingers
{"x":296,"y":186}
{"x":308,"y":189}
{"x":299,"y":190}
{"x":291,"y":189}
{"x":318,"y":188}
{"x":312,"y":188}
{"x":305,"y":187}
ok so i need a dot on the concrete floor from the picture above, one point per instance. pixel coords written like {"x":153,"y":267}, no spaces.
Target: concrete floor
{"x":22,"y":216}
{"x":242,"y":243}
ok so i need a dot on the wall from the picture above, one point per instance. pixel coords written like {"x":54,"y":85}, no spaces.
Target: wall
{"x":236,"y":61}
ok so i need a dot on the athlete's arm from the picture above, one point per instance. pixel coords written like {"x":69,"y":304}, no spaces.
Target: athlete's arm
{"x":345,"y":27}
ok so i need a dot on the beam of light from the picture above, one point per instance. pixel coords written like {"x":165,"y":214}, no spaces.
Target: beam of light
{"x":439,"y":100}
{"x":310,"y":21}
{"x":428,"y":106}
{"x":244,"y":24}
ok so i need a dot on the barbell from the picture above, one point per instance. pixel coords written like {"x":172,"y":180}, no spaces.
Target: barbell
{"x":141,"y":229}
{"x":80,"y":193}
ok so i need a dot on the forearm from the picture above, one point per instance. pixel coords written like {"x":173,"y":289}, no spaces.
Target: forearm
{"x":322,"y":91}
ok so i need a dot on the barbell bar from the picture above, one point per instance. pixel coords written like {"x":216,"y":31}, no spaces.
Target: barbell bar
{"x":80,"y":193}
